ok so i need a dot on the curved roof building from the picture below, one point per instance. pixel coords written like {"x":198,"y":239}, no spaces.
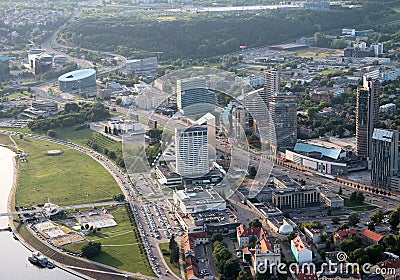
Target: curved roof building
{"x":285,"y":229}
{"x":78,"y":79}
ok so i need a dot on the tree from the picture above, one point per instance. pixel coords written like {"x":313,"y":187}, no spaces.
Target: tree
{"x":335,"y":220}
{"x":343,"y":226}
{"x":91,"y":249}
{"x":112,"y":155}
{"x":231,"y":268}
{"x":252,"y":172}
{"x":118,"y":101}
{"x":340,"y":191}
{"x":348,"y":246}
{"x":106,"y":129}
{"x":51,"y":133}
{"x":244,"y":275}
{"x":217,"y":237}
{"x":359,"y":256}
{"x":394,"y":219}
{"x":174,"y":257}
{"x":115,"y":131}
{"x":357,"y":197}
{"x":71,"y":107}
{"x":255,"y":223}
{"x":291,"y":236}
{"x":377,"y":217}
{"x":354,"y":219}
{"x":21,"y":136}
{"x":172,"y":243}
{"x":374,"y":253}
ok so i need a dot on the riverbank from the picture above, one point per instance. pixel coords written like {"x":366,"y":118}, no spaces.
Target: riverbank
{"x":85,"y":268}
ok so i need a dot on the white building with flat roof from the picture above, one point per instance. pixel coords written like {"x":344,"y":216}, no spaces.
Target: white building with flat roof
{"x":198,"y":201}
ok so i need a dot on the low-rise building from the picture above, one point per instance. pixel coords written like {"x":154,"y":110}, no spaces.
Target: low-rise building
{"x":344,"y":234}
{"x":191,"y":240}
{"x":168,"y":178}
{"x":264,"y":252}
{"x":244,"y":234}
{"x":301,"y":250}
{"x":370,"y":237}
{"x":197,"y":201}
{"x":44,"y":105}
{"x":313,"y":233}
{"x":391,"y":267}
{"x":331,"y":199}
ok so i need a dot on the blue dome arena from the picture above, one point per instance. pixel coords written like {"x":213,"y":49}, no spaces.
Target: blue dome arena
{"x":77,"y":80}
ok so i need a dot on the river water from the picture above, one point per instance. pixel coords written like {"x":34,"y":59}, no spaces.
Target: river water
{"x":14,"y":262}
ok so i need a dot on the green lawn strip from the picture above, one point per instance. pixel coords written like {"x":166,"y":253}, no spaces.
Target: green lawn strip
{"x":71,"y":178}
{"x":128,"y":257}
{"x":5,"y":140}
{"x":357,"y":206}
{"x":173,"y":267}
{"x":349,"y":203}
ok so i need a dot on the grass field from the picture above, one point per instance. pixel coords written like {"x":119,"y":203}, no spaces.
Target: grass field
{"x":70,"y":178}
{"x":120,"y":245}
{"x":173,"y":267}
{"x":358,"y":207}
{"x":5,"y":140}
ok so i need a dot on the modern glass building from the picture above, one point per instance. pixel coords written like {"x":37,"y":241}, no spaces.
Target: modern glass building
{"x":385,"y":157}
{"x":77,"y":80}
{"x":193,"y":97}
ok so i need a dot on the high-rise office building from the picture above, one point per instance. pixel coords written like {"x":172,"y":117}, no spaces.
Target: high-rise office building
{"x":4,"y":69}
{"x":242,"y":121}
{"x":367,"y":109}
{"x":191,"y":151}
{"x":385,"y":157}
{"x":193,"y":97}
{"x":271,"y":86}
{"x":283,"y":110}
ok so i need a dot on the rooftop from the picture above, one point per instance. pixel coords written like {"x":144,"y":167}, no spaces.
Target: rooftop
{"x":309,"y":148}
{"x":372,"y":235}
{"x":77,"y":75}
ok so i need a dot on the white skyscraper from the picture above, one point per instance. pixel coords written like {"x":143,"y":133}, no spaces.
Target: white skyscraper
{"x":191,"y":150}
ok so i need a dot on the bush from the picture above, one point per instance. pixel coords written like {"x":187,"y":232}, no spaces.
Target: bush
{"x":91,"y":250}
{"x":51,"y":133}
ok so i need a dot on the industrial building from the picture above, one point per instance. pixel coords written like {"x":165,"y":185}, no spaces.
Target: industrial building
{"x":78,"y":80}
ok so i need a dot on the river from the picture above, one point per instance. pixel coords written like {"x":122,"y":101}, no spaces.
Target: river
{"x":14,"y":262}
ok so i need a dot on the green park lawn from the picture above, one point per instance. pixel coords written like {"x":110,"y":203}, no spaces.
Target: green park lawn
{"x":68,"y":179}
{"x":120,"y":245}
{"x":5,"y":140}
{"x":173,"y":267}
{"x":357,"y":206}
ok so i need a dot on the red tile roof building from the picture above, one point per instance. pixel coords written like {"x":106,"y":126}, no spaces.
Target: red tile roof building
{"x":190,"y":240}
{"x":370,"y":237}
{"x":344,"y":234}
{"x":264,"y":252}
